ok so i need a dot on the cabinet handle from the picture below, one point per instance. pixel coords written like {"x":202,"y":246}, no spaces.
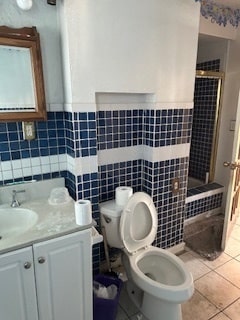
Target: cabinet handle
{"x":27,"y":265}
{"x":41,"y":260}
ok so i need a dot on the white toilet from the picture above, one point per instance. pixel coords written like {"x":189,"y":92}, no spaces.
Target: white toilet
{"x":158,"y":281}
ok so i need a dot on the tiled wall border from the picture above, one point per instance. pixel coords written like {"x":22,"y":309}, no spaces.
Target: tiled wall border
{"x":204,"y":192}
{"x":207,"y":204}
{"x":21,"y":169}
{"x":204,"y":199}
{"x":143,"y":152}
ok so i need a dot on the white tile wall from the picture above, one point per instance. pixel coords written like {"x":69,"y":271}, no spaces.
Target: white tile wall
{"x":32,"y":166}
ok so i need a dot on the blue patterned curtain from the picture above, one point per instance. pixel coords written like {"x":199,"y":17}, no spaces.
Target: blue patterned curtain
{"x":221,"y":14}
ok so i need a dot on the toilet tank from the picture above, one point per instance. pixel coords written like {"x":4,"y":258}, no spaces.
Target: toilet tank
{"x":110,"y":220}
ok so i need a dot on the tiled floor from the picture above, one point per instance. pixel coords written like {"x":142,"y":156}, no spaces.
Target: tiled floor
{"x":217,"y":286}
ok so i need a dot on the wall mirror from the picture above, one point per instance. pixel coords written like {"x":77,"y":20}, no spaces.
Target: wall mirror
{"x":22,"y":95}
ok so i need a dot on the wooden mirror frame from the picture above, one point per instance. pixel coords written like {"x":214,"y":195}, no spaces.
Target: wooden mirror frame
{"x":27,"y":38}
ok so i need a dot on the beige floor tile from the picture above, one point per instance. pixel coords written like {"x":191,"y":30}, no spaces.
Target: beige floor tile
{"x":238,"y":221}
{"x":236,"y":225}
{"x":198,"y":308}
{"x":231,"y":272}
{"x":195,"y":254}
{"x":138,"y":316}
{"x":121,"y":315}
{"x":236,"y":232}
{"x":233,"y":247}
{"x":237,"y":258}
{"x":126,"y":303}
{"x":195,"y":266}
{"x":223,"y":258}
{"x":233,"y":311}
{"x":220,"y":316}
{"x":217,"y":290}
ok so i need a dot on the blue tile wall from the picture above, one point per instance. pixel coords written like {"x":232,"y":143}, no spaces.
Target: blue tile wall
{"x":197,"y":207}
{"x":203,"y":188}
{"x":157,"y":181}
{"x":81,"y":141}
{"x":166,"y":127}
{"x":212,"y":65}
{"x":119,"y":128}
{"x":87,"y":187}
{"x":97,"y":250}
{"x":214,"y":201}
{"x":155,"y":128}
{"x":70,"y":142}
{"x":111,"y":176}
{"x":81,"y":135}
{"x":50,"y":139}
{"x":70,"y":183}
{"x":63,"y":132}
{"x":154,"y":179}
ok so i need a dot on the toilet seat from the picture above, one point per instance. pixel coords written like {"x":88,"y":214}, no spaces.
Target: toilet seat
{"x":138,"y":223}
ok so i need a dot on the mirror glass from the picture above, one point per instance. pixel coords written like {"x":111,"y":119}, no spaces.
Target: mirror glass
{"x":16,"y":62}
{"x":21,"y":77}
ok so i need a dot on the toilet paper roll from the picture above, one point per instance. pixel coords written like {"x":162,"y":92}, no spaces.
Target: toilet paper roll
{"x":122,"y":194}
{"x":83,"y":212}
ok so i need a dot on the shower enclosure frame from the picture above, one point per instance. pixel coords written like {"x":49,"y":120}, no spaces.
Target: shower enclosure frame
{"x":220,"y":77}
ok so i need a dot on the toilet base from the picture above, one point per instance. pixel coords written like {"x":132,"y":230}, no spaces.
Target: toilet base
{"x":156,"y":309}
{"x":151,"y":307}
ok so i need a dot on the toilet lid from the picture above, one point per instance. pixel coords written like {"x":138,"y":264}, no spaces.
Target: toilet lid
{"x":138,"y":223}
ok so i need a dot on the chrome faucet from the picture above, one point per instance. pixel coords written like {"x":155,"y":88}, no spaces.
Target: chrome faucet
{"x":15,"y":203}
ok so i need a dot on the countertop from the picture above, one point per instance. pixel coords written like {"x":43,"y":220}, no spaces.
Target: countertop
{"x":53,"y":221}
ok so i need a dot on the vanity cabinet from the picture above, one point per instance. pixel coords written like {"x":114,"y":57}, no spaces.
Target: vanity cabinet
{"x":17,"y":286}
{"x":51,"y":280}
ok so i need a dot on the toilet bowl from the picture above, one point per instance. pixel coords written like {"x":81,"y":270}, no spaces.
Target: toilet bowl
{"x":158,"y":281}
{"x":161,"y":274}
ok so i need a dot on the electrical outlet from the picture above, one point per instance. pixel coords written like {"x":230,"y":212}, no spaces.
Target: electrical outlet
{"x":28,"y":130}
{"x":175,"y":185}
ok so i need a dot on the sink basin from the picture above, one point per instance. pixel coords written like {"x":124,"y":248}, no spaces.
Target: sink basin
{"x":16,"y":221}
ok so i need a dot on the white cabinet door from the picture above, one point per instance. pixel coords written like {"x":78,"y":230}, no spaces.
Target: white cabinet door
{"x":63,"y":268}
{"x":17,"y":286}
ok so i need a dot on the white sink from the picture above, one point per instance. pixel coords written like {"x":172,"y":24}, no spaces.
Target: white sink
{"x":16,"y":221}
